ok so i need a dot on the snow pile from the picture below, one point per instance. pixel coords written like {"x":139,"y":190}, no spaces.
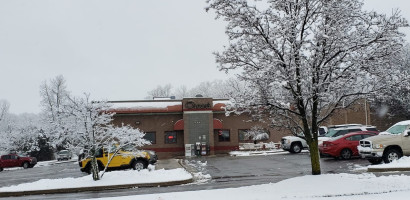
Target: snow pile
{"x":201,"y":175}
{"x":110,"y":178}
{"x":333,"y":185}
{"x":139,"y":105}
{"x":403,"y":162}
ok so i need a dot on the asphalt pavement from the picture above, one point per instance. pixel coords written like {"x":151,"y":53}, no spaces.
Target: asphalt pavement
{"x":219,"y":174}
{"x":161,"y":164}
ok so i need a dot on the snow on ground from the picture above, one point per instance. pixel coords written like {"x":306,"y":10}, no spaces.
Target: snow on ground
{"x":329,"y":187}
{"x":366,"y":186}
{"x":109,"y":178}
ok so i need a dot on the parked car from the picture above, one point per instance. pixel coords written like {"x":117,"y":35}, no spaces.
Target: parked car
{"x":153,"y":156}
{"x":131,"y":148}
{"x":64,"y":155}
{"x":295,"y":144}
{"x":122,"y":160}
{"x":343,"y":130}
{"x":389,"y":145}
{"x":344,"y":146}
{"x":14,"y":160}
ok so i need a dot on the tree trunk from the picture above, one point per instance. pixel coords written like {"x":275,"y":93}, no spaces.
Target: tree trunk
{"x":94,"y":169}
{"x":314,"y":157}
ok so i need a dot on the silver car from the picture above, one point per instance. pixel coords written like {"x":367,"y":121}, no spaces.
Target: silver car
{"x":64,"y":155}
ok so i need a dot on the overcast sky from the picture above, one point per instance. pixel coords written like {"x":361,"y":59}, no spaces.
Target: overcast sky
{"x":114,"y":50}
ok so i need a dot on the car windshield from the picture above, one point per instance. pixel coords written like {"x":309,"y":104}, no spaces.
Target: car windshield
{"x":398,"y":129}
{"x":331,"y":133}
{"x":63,"y":152}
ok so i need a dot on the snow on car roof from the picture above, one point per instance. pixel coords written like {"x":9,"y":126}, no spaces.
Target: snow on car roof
{"x":407,"y":122}
{"x":354,"y":127}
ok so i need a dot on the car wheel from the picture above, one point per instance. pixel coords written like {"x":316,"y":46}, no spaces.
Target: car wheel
{"x":138,"y":165}
{"x":87,"y":168}
{"x":375,"y":161}
{"x":25,"y":165}
{"x":101,"y":167}
{"x":390,"y":155}
{"x":296,"y":148}
{"x":346,"y":154}
{"x":1,"y":169}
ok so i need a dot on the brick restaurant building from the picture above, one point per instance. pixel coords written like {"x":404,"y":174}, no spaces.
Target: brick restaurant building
{"x":170,"y":124}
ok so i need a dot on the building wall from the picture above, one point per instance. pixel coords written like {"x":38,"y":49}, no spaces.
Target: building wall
{"x":234,"y":123}
{"x":358,"y":113}
{"x":158,"y":123}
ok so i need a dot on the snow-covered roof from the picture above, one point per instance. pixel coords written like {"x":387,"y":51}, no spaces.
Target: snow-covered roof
{"x":220,"y":105}
{"x":146,"y":106}
{"x":158,"y":106}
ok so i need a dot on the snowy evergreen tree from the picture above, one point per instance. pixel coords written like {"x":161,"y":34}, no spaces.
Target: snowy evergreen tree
{"x":304,"y":59}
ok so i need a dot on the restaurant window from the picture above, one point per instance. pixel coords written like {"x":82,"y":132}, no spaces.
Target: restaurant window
{"x":253,"y":134}
{"x":242,"y":135}
{"x":170,"y":137}
{"x":150,"y":136}
{"x":223,"y":135}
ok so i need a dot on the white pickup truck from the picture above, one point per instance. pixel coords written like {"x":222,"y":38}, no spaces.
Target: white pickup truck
{"x":295,"y":144}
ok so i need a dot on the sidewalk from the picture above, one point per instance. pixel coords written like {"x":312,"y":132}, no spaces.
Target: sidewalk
{"x":167,"y":164}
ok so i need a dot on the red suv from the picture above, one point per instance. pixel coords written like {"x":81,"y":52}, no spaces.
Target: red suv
{"x":344,"y":146}
{"x":14,"y":160}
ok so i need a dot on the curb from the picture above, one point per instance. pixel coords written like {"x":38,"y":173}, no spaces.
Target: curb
{"x":98,"y":188}
{"x":387,"y":169}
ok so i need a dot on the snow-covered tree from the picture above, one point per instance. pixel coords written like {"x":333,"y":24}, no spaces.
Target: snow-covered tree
{"x":304,"y":59}
{"x":4,"y":109}
{"x":160,"y":91}
{"x":54,"y":95}
{"x":214,"y":89}
{"x":19,"y":133}
{"x":89,"y":123}
{"x":396,"y":101}
{"x":181,"y":92}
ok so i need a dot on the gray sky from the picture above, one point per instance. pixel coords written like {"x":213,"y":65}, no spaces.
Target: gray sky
{"x":114,"y":50}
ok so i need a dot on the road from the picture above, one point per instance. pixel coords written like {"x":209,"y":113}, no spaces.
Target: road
{"x":226,"y":172}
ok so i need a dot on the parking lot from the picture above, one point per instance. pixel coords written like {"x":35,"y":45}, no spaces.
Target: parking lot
{"x":226,"y":171}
